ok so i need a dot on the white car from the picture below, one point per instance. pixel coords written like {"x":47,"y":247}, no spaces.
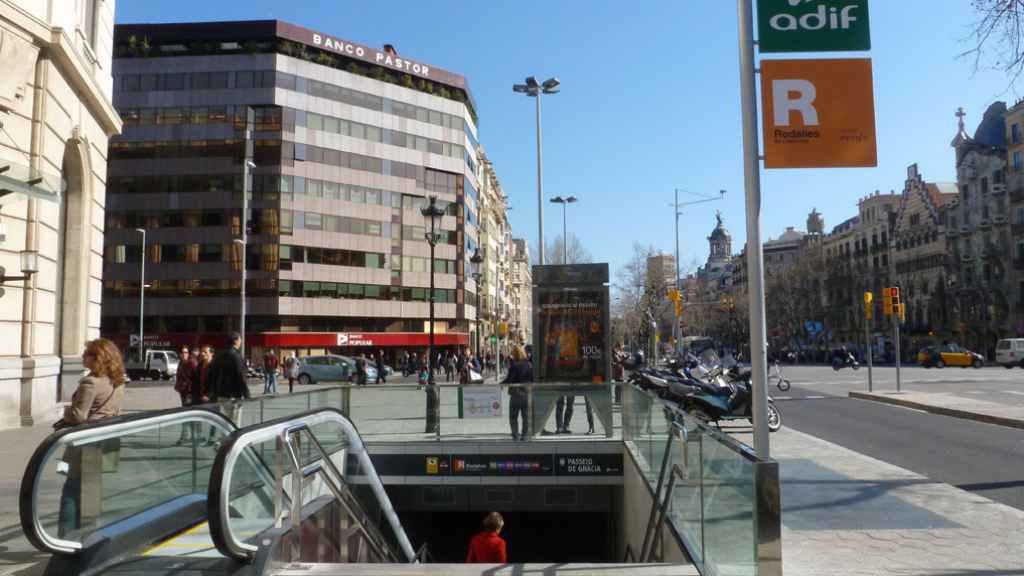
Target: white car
{"x":1010,"y":352}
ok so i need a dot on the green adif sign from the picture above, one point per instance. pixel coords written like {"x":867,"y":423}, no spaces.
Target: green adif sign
{"x":813,"y":25}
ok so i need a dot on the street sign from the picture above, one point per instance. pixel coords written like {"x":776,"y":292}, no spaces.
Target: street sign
{"x":818,"y":113}
{"x":813,"y":25}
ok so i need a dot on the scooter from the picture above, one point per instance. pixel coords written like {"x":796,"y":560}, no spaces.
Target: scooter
{"x":712,"y":399}
{"x":839,"y":362}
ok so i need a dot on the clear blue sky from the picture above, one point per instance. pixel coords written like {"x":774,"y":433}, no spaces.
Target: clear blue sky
{"x":650,"y":102}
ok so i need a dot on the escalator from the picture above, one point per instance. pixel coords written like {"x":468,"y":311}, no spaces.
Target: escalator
{"x":184,"y":491}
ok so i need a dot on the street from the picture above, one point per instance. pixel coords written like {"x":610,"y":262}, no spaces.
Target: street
{"x":982,"y":458}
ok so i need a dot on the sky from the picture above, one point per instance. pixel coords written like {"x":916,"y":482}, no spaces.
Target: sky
{"x":650,"y":102}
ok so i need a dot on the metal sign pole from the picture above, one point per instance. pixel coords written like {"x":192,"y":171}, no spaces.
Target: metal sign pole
{"x":896,"y":332}
{"x":755,"y":260}
{"x":867,"y":340}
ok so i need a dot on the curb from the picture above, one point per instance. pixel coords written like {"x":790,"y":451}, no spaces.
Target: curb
{"x":953,"y":412}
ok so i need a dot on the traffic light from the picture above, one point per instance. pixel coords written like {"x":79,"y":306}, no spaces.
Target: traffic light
{"x":869,"y":309}
{"x":887,"y":301}
{"x":679,"y":308}
{"x":903,"y":312}
{"x":895,"y":292}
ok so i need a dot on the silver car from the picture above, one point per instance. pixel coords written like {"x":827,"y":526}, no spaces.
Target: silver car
{"x":331,"y":368}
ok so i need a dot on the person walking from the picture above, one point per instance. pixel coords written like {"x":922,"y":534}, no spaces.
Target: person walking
{"x":487,"y":546}
{"x":227,"y":376}
{"x":98,"y":396}
{"x":519,"y":372}
{"x":201,"y":376}
{"x":291,"y":370}
{"x":381,"y":377}
{"x":270,"y":364}
{"x":184,"y":382}
{"x":361,"y":370}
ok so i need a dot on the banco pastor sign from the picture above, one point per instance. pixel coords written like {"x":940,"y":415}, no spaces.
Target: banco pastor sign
{"x":813,"y":26}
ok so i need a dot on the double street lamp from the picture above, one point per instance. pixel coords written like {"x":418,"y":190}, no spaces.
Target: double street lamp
{"x":565,"y":238}
{"x":433,"y":212}
{"x":534,"y":89}
{"x":477,"y":259}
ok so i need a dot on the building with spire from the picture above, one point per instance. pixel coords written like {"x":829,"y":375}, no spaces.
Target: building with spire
{"x":979,"y":280}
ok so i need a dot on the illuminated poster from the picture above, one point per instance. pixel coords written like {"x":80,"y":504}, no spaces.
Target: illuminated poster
{"x":572,"y":328}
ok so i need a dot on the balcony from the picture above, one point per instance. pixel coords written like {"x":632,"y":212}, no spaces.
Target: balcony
{"x":1000,"y":220}
{"x":999,"y":188}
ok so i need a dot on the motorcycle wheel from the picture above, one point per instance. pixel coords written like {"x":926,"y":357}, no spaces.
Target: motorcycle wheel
{"x":774,"y":418}
{"x":783,"y":384}
{"x":977,"y":363}
{"x":856,"y":366}
{"x":836,"y":366}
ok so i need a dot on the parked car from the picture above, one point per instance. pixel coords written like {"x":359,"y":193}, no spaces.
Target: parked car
{"x":949,"y":355}
{"x":1010,"y":352}
{"x":326,"y":368}
{"x":158,"y":364}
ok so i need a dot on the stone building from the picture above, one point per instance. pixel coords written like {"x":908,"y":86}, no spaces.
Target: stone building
{"x":496,"y":249}
{"x":1015,"y":216}
{"x":979,"y":282}
{"x":522,"y":292}
{"x":56,"y":118}
{"x":920,"y":259}
{"x":857,"y":253}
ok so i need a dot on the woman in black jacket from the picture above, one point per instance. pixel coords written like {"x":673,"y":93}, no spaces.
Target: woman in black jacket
{"x":520,"y":372}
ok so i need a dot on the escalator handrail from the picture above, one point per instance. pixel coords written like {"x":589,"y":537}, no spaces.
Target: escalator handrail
{"x":91,"y":432}
{"x":218,"y":500}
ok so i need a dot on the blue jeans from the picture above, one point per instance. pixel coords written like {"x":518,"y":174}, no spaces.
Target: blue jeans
{"x":270,"y":383}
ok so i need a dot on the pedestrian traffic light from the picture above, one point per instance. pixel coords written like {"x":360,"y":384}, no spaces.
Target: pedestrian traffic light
{"x":887,"y":302}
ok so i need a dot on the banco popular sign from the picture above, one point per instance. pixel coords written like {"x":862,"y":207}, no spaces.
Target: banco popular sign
{"x":813,"y":25}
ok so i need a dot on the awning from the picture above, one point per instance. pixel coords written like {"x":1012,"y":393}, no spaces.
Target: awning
{"x":20,"y":180}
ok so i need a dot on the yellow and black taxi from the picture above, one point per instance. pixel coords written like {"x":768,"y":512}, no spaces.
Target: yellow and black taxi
{"x":949,"y":355}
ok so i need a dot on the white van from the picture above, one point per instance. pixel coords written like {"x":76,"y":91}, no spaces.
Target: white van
{"x":158,"y":364}
{"x":1010,"y":352}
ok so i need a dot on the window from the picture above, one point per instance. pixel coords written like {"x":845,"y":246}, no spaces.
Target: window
{"x":1018,"y":163}
{"x":1015,"y":133}
{"x":90,"y":22}
{"x":984,"y":185}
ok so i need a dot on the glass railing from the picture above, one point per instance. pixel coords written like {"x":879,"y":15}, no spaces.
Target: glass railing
{"x":83,"y":479}
{"x":316,"y":458}
{"x":722,"y":499}
{"x":407,"y":412}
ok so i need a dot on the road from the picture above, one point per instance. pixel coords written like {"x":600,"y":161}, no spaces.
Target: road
{"x":981,"y":458}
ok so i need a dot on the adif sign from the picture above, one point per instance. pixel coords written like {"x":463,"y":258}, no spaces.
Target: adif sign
{"x":818,"y":113}
{"x":813,"y":25}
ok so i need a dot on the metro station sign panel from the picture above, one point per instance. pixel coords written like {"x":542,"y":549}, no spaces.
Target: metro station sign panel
{"x":813,"y":26}
{"x":818,"y":113}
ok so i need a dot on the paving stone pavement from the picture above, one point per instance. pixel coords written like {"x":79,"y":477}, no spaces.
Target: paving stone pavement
{"x":850,"y":514}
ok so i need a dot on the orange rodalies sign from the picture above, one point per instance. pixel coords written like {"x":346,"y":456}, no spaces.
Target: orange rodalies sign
{"x":818,"y":113}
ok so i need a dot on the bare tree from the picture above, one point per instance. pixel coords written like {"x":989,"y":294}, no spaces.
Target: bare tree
{"x":997,"y":39}
{"x":574,"y":252}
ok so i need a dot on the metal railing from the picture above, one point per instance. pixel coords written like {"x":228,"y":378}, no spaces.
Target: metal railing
{"x":291,"y":471}
{"x":721,"y":499}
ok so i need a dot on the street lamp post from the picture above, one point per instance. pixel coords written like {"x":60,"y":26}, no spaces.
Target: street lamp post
{"x":142,"y":293}
{"x":477,"y":259}
{"x":677,"y":206}
{"x":432,"y":211}
{"x":565,"y":237}
{"x":243,"y":242}
{"x":534,"y":89}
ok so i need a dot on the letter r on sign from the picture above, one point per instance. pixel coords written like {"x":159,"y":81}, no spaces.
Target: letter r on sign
{"x":784,"y":102}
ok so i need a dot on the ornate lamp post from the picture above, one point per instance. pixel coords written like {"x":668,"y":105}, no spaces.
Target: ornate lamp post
{"x":433,"y":212}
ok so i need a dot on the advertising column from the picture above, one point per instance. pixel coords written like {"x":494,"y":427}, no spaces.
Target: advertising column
{"x":571,"y":346}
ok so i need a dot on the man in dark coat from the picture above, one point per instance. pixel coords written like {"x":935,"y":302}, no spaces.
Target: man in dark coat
{"x":227,"y":372}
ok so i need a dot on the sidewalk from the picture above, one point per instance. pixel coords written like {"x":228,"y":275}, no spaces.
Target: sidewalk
{"x":951,"y":405}
{"x":846,"y":513}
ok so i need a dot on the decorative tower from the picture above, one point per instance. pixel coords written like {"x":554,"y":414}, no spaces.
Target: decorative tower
{"x":815,"y":223}
{"x":720,"y":241}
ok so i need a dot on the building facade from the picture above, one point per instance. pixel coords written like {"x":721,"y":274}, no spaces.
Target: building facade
{"x":496,"y":250}
{"x":522,"y":292}
{"x":920,"y":259}
{"x":347,"y":142}
{"x":56,"y":116}
{"x":980,"y":285}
